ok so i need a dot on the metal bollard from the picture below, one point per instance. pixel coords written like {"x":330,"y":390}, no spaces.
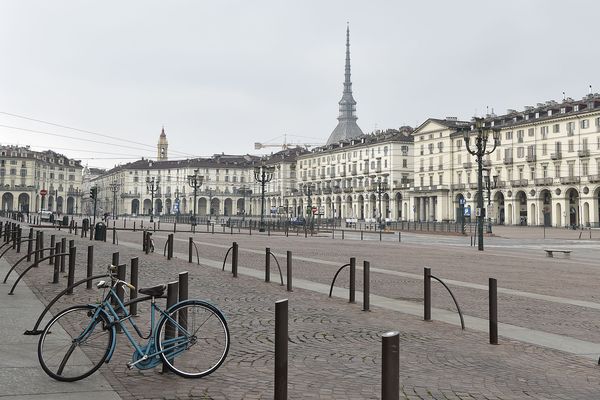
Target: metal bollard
{"x":427,"y":294}
{"x":56,"y":268}
{"x":114,"y":234}
{"x":71,"y":274}
{"x":267,"y":264}
{"x":366,"y":283}
{"x":352,"y":280}
{"x":19,"y":233}
{"x":115,"y":258}
{"x":281,"y":349}
{"x":134,"y":282}
{"x":134,"y":226}
{"x":170,"y":246}
{"x":399,"y":237}
{"x":183,"y":295}
{"x":175,"y":227}
{"x":63,"y":250}
{"x":172,"y":291}
{"x":52,"y":245}
{"x":154,"y":226}
{"x":159,"y":225}
{"x":90,"y":266}
{"x":190,"y":244}
{"x":42,"y":244}
{"x":493,"y":311}
{"x":234,"y":260}
{"x":289,"y":272}
{"x":29,"y":243}
{"x":390,"y":366}
{"x":361,"y":235}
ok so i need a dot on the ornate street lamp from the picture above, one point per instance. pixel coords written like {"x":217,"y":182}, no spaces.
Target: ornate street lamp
{"x":482,"y":133}
{"x":380,"y":188}
{"x":114,"y":188}
{"x":307,"y":189}
{"x":152,"y":186}
{"x":195,"y":181}
{"x":263,"y":174}
{"x":491,"y":182}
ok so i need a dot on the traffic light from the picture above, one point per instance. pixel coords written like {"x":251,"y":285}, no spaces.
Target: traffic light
{"x":93,"y":192}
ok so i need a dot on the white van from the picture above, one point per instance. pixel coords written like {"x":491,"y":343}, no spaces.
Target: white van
{"x":45,"y":215}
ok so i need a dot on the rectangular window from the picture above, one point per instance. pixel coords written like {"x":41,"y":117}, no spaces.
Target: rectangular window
{"x":571,"y":169}
{"x":571,"y":146}
{"x":404,"y":163}
{"x":557,"y":170}
{"x":584,"y":144}
{"x":508,"y":135}
{"x":545,"y":171}
{"x":585,"y":123}
{"x":530,"y":132}
{"x":556,"y":128}
{"x":520,"y":152}
{"x":584,"y":168}
{"x":544,"y":149}
{"x":459,"y":143}
{"x":544,"y":132}
{"x":520,"y":135}
{"x":570,"y":128}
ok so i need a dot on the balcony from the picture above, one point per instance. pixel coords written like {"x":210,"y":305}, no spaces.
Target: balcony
{"x":347,"y":190}
{"x":468,"y":165}
{"x":556,"y":156}
{"x":322,"y":175}
{"x":313,"y":176}
{"x":473,"y":186}
{"x":487,"y":163}
{"x":74,"y":193}
{"x":343,"y":173}
{"x":421,"y":169}
{"x":366,"y":171}
{"x":594,"y":178}
{"x":457,"y":186}
{"x":130,"y":195}
{"x":440,"y":167}
{"x":566,"y":180}
{"x":431,"y":167}
{"x":508,"y":160}
{"x":353,"y":171}
{"x":332,"y":174}
{"x":359,"y":189}
{"x":337,"y":190}
{"x":531,"y":158}
{"x":327,"y":190}
{"x":583,"y":153}
{"x":543,"y":181}
{"x":304,"y":178}
{"x":518,"y":183}
{"x":500,"y":184}
{"x":378,"y":170}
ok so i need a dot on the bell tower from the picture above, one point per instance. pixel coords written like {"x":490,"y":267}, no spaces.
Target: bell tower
{"x":162,"y":146}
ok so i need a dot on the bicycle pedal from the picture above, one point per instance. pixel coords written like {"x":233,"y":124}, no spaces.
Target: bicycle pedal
{"x":129,"y":365}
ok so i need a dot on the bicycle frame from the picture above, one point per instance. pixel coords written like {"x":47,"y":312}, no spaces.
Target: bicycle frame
{"x":148,"y":350}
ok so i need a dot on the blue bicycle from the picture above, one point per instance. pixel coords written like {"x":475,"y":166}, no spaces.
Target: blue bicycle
{"x":191,"y":338}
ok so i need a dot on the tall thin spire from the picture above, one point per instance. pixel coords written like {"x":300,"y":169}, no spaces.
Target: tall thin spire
{"x":347,"y":127}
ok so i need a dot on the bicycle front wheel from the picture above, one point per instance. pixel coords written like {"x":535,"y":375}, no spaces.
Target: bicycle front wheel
{"x":193,"y":339}
{"x":75,"y":343}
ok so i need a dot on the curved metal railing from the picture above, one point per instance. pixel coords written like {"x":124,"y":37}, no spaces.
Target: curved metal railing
{"x":462,"y":321}
{"x":278,"y":266}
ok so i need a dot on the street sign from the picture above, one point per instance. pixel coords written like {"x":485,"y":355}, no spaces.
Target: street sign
{"x":467,"y":211}
{"x":43,"y":192}
{"x":461,"y":201}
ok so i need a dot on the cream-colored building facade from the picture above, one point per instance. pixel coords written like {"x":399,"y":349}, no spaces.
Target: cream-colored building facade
{"x":26,"y":174}
{"x":546,"y":169}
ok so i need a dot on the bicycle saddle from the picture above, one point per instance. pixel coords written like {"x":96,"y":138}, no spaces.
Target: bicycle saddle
{"x":154,"y":291}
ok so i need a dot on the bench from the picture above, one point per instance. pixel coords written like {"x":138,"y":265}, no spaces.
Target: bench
{"x":549,"y":252}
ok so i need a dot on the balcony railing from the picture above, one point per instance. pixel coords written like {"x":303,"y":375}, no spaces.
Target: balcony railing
{"x":556,"y":156}
{"x":473,"y":186}
{"x":353,"y":171}
{"x":421,"y":169}
{"x":348,"y":190}
{"x":431,"y":167}
{"x":130,"y":195}
{"x":565,"y":180}
{"x":508,"y":160}
{"x":359,"y":189}
{"x":518,"y":182}
{"x":322,"y":175}
{"x":440,"y":167}
{"x":530,"y":158}
{"x":583,"y":153}
{"x":594,"y":178}
{"x":500,"y":184}
{"x":468,"y":165}
{"x":337,"y":190}
{"x":543,"y":181}
{"x":457,"y":186}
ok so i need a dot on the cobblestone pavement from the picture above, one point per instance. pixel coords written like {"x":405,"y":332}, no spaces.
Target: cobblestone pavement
{"x":335,"y":348}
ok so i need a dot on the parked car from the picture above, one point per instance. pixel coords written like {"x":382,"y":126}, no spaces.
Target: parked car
{"x":298,"y":221}
{"x":46,"y":215}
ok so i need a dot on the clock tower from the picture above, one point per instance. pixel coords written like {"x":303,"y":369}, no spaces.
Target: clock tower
{"x":162,"y":146}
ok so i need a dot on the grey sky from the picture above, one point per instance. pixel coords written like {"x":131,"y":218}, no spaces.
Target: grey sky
{"x":223,"y":75}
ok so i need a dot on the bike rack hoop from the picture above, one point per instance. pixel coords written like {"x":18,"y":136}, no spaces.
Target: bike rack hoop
{"x":462,"y":321}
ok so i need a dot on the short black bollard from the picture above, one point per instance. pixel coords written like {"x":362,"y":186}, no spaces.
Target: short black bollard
{"x":493,"y":311}
{"x":114,"y":235}
{"x":281,"y":349}
{"x":361,"y":235}
{"x":183,"y":295}
{"x":427,"y":294}
{"x":159,"y":225}
{"x":71,"y":274}
{"x":90,"y":266}
{"x":42,"y":244}
{"x":63,"y":249}
{"x":56,"y":268}
{"x":234,"y":260}
{"x":170,"y":246}
{"x":267,"y":264}
{"x":390,"y":366}
{"x":29,"y":243}
{"x":134,"y":282}
{"x":399,"y":237}
{"x":19,"y":233}
{"x":190,"y":244}
{"x":154,"y":226}
{"x":172,"y":292}
{"x":289,"y":271}
{"x":134,"y":226}
{"x":175,"y":227}
{"x":366,"y":283}
{"x":352,"y":280}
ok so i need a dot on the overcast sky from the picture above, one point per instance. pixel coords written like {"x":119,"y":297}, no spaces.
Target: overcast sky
{"x":222,"y":75}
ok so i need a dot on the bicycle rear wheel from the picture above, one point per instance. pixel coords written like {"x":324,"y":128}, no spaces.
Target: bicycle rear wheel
{"x":74,"y":344}
{"x":194,"y":339}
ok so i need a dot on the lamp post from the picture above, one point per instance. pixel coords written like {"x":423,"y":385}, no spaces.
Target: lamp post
{"x":490,"y":183}
{"x":195,"y":181}
{"x":152,"y":186}
{"x":380,"y":188}
{"x":114,"y":188}
{"x":308,"y":191}
{"x":481,"y":137}
{"x":263,"y":174}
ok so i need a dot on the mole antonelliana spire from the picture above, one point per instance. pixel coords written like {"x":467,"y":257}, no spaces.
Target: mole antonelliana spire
{"x":346,"y":127}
